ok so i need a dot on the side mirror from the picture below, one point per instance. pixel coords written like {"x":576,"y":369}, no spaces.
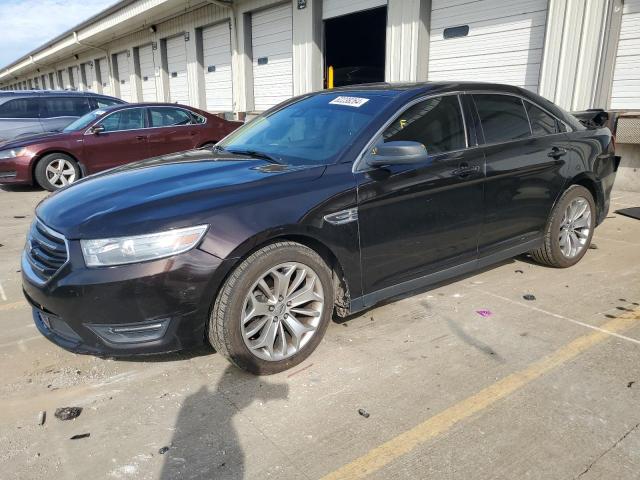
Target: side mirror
{"x":97,"y":130}
{"x":397,"y":153}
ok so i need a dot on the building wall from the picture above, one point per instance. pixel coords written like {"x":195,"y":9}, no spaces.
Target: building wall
{"x":574,"y":66}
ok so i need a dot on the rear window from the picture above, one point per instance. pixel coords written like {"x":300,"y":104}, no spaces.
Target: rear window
{"x":169,"y":117}
{"x":541,"y":122}
{"x":20,"y":108}
{"x":105,"y":102}
{"x":65,"y":106}
{"x":503,"y":118}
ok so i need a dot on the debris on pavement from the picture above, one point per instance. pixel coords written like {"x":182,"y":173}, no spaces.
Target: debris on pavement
{"x":484,"y":313}
{"x":80,"y":435}
{"x":593,"y":246}
{"x":519,"y":271}
{"x":630,"y":384}
{"x":68,"y":413}
{"x":363,"y":413}
{"x":163,"y":450}
{"x":42,"y":417}
{"x":529,"y":297}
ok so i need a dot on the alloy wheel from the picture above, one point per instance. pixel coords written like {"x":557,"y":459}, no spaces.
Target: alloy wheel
{"x":60,"y":172}
{"x":575,"y":227}
{"x":282,"y":311}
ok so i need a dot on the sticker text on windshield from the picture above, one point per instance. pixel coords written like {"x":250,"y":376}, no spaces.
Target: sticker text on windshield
{"x":349,"y":101}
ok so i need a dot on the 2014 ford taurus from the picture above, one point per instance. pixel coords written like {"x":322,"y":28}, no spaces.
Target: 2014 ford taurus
{"x":330,"y":202}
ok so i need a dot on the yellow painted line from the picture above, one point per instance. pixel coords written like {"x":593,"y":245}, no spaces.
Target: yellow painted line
{"x":389,"y":451}
{"x":13,"y":306}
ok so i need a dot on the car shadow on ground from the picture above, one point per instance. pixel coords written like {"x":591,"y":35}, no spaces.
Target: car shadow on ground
{"x":20,"y":188}
{"x":205,"y":442}
{"x":420,"y":291}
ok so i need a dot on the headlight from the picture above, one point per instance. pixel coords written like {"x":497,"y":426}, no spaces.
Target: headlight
{"x":13,"y":152}
{"x":119,"y":251}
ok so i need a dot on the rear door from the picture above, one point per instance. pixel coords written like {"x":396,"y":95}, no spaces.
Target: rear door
{"x":416,"y":220}
{"x":172,"y":129}
{"x":57,"y":111}
{"x":124,"y":140}
{"x":524,"y":163}
{"x":19,"y":116}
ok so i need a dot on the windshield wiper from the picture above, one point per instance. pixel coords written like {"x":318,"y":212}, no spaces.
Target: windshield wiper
{"x":256,"y":154}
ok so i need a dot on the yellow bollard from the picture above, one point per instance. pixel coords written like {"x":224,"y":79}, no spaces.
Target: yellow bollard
{"x":330,"y":77}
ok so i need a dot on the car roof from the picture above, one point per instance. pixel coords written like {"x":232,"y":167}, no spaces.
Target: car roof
{"x":148,"y":104}
{"x":51,"y":93}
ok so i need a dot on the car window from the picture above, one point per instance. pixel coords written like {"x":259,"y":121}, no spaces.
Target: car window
{"x":503,"y":117}
{"x":436,"y":123}
{"x":168,"y":117}
{"x":20,"y":108}
{"x":66,"y":106}
{"x":310,"y":131}
{"x":199,"y":118}
{"x":129,"y":119}
{"x":541,"y":122}
{"x":105,"y":102}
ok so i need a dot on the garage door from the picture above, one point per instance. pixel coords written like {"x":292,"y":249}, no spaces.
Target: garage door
{"x":337,"y":8}
{"x":625,"y":93}
{"x":216,"y":46}
{"x":89,"y":75}
{"x":65,"y":79}
{"x":105,"y":81}
{"x":147,"y":73}
{"x":75,"y":77}
{"x":271,"y":40}
{"x":177,"y":70}
{"x":488,"y":40}
{"x":124,"y":76}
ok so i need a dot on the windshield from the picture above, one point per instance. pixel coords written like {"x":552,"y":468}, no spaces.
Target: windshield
{"x":311,"y":131}
{"x":83,"y":121}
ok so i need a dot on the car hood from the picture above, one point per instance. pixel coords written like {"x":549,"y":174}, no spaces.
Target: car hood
{"x":32,"y":139}
{"x":171,"y":191}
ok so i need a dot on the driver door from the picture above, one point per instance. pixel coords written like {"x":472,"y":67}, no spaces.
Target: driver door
{"x":419,"y":219}
{"x":124,"y":140}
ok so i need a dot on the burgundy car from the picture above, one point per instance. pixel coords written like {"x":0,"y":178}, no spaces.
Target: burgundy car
{"x":106,"y":138}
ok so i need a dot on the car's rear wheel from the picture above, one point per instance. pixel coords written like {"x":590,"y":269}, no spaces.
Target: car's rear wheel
{"x":273,"y":309}
{"x":569,"y":229}
{"x":56,"y":170}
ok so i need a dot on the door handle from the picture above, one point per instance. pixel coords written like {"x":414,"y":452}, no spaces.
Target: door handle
{"x":193,"y":133}
{"x":465,"y":170}
{"x":557,"y":152}
{"x":140,"y":137}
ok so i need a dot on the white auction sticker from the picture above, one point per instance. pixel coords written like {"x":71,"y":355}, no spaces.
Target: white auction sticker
{"x":349,"y":101}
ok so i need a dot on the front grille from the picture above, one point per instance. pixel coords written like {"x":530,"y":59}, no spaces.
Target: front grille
{"x":46,"y":251}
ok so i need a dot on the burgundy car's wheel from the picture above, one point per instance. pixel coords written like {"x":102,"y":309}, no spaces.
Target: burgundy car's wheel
{"x":56,"y":170}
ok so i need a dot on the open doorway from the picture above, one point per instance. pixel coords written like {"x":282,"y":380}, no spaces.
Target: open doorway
{"x":355,"y":47}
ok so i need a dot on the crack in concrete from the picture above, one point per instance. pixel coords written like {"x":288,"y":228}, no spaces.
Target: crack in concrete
{"x":597,"y":459}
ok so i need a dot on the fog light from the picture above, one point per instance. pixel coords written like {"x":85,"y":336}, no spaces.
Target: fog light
{"x":132,"y":333}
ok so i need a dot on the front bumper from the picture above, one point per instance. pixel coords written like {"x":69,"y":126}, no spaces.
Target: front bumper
{"x":146,"y":308}
{"x":15,"y":171}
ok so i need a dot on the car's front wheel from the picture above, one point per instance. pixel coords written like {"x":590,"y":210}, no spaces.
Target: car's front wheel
{"x":569,"y":229}
{"x":273,"y":309}
{"x":56,"y":170}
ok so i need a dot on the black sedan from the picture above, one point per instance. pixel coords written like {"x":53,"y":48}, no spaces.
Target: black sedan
{"x":328,"y":203}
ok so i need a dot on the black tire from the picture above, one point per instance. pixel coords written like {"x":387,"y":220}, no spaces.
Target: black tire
{"x":224,"y":329}
{"x":550,"y":252}
{"x":41,"y":170}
